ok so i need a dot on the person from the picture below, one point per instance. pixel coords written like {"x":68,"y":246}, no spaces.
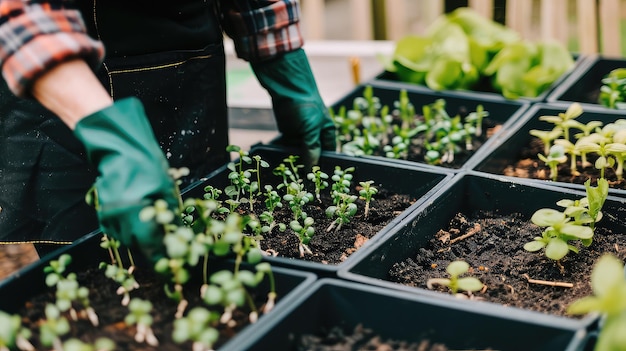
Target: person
{"x":113,"y":93}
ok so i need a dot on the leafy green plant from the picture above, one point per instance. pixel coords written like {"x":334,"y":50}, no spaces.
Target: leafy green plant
{"x":576,"y":222}
{"x":613,"y":89}
{"x":455,"y":282}
{"x":343,"y":211}
{"x":609,"y":299}
{"x":139,"y":316}
{"x":366,"y":193}
{"x":12,"y":334}
{"x":319,"y":179}
{"x":553,"y":159}
{"x":402,"y":134}
{"x":462,"y":48}
{"x":53,"y":327}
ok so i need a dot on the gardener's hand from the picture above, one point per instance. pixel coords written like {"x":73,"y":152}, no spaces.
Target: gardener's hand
{"x":133,"y":173}
{"x":301,"y":115}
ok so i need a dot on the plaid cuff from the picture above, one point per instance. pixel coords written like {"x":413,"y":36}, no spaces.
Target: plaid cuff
{"x":267,"y":32}
{"x":37,"y":40}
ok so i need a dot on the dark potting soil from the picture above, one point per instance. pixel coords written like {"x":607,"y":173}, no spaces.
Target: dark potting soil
{"x":361,"y":339}
{"x":111,"y":313}
{"x":497,"y":258}
{"x":528,"y":165}
{"x":335,"y":246}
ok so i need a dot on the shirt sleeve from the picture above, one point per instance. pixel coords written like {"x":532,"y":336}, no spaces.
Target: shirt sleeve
{"x":262,"y":29}
{"x":37,"y":35}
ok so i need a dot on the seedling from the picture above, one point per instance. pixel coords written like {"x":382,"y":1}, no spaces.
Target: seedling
{"x":565,"y":120}
{"x":455,"y":283}
{"x":609,"y":299}
{"x":613,"y":89}
{"x":53,"y":327}
{"x":12,"y":334}
{"x":196,"y":327}
{"x":553,"y":159}
{"x":547,"y":137}
{"x":319,"y":179}
{"x":366,"y":193}
{"x":101,"y":344}
{"x":140,"y":317}
{"x":343,"y":211}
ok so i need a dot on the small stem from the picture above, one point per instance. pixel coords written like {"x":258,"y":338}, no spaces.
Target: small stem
{"x":546,"y":282}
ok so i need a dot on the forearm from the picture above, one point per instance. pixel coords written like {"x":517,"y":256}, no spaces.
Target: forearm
{"x":71,"y":91}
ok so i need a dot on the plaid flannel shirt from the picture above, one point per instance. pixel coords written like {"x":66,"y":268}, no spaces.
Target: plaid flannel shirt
{"x":38,"y":34}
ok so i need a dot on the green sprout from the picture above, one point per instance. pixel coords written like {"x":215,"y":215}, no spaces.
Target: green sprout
{"x":366,"y":193}
{"x":196,"y":327}
{"x":101,"y":344}
{"x":319,"y":179}
{"x":613,"y":89}
{"x":565,"y":120}
{"x":12,"y":334}
{"x":609,"y":299}
{"x":343,"y":211}
{"x":140,"y":317}
{"x":455,"y":283}
{"x":558,"y":233}
{"x":555,"y":157}
{"x":547,"y":137}
{"x":53,"y":327}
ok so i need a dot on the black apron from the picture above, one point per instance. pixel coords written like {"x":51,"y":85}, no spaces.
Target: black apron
{"x":44,"y":174}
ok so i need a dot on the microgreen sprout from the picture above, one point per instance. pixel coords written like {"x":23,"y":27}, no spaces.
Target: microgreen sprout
{"x":366,"y":193}
{"x":613,"y":89}
{"x":101,"y":344}
{"x":609,"y":299}
{"x":455,"y":282}
{"x":53,"y":327}
{"x":555,"y":157}
{"x":196,"y":327}
{"x":342,"y":211}
{"x":139,"y":316}
{"x":13,"y":334}
{"x":319,"y":180}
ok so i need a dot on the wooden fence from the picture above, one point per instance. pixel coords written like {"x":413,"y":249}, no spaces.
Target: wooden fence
{"x":593,"y":25}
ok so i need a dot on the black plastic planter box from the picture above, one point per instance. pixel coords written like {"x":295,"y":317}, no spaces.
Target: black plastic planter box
{"x":583,"y":85}
{"x":483,"y":88}
{"x":86,"y":253}
{"x":501,"y":111}
{"x":417,"y":182}
{"x":506,"y":150}
{"x":396,"y":315}
{"x":470,"y":192}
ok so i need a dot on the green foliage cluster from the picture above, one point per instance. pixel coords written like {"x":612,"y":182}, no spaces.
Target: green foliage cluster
{"x":575,"y":223}
{"x":462,"y":49}
{"x":613,"y":89}
{"x":370,"y":128}
{"x":606,"y":142}
{"x":609,"y":298}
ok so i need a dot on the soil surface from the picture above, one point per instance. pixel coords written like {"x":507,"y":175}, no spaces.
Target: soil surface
{"x":361,"y":339}
{"x":528,"y":165}
{"x":14,"y":257}
{"x":106,"y":303}
{"x":335,"y":246}
{"x":497,"y":258}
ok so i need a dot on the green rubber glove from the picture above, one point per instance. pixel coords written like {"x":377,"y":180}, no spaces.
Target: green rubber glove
{"x":302,"y":118}
{"x":132,"y":173}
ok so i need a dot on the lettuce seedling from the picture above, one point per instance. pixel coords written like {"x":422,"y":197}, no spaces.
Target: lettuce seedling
{"x":609,"y":299}
{"x":196,"y":326}
{"x":13,"y":334}
{"x":553,"y":159}
{"x":613,"y":89}
{"x":366,"y":193}
{"x":558,"y":232}
{"x":455,"y":283}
